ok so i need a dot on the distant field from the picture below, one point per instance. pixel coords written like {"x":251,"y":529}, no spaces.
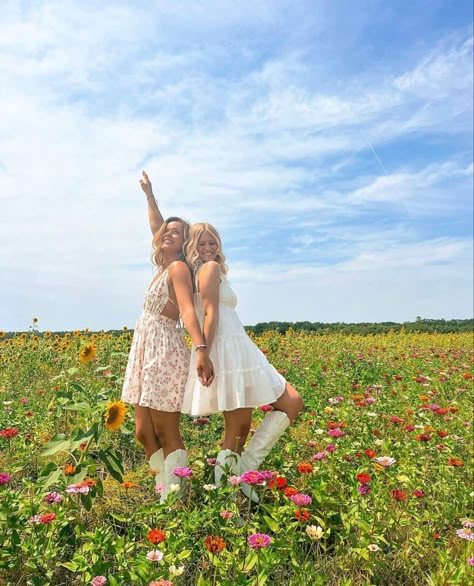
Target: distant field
{"x":77,"y":501}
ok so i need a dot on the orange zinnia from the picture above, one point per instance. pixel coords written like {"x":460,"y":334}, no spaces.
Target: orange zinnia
{"x":69,"y":469}
{"x":214,"y":543}
{"x":156,"y":536}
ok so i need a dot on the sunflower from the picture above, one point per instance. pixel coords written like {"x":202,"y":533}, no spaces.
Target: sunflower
{"x":87,"y":353}
{"x":115,"y":415}
{"x":2,"y":334}
{"x":47,"y":334}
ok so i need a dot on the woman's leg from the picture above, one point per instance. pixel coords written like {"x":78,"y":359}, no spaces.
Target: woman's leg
{"x":166,"y":429}
{"x":237,"y":427}
{"x":145,"y":431}
{"x":290,"y":402}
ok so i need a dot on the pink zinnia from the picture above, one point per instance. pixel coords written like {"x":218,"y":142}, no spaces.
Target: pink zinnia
{"x":336,"y":433}
{"x":259,"y":540}
{"x":53,"y":497}
{"x":99,"y":581}
{"x":183,"y":472}
{"x":4,"y":478}
{"x":252,"y":477}
{"x":226,"y":514}
{"x":301,"y":500}
{"x":331,"y":448}
{"x":319,"y":456}
{"x":267,"y":475}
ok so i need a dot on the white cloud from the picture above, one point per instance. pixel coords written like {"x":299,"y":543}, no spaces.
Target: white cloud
{"x":249,"y":141}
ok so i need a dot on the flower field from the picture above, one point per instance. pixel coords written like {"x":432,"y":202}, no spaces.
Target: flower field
{"x":371,"y":485}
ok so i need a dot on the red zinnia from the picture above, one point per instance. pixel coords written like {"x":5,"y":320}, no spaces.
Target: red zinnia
{"x":399,"y":495}
{"x":455,"y":462}
{"x":370,"y":453}
{"x":363,"y":478}
{"x":302,"y":515}
{"x":290,"y":491}
{"x":442,"y":433}
{"x":156,"y":536}
{"x":47,"y":518}
{"x":305,"y":468}
{"x":9,"y":432}
{"x":419,"y":494}
{"x":278,"y":482}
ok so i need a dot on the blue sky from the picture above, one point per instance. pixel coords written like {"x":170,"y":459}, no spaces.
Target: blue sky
{"x":330,"y":142}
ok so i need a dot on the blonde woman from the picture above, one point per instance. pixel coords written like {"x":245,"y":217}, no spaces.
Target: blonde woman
{"x":244,"y":379}
{"x":158,"y":363}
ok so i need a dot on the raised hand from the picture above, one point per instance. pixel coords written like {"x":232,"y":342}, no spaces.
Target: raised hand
{"x":145,"y":184}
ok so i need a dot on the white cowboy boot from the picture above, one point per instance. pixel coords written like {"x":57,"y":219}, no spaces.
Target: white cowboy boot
{"x":157,"y":466}
{"x":268,"y":433}
{"x":176,"y":459}
{"x":227,"y":460}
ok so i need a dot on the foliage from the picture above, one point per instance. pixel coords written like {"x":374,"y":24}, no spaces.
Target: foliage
{"x":77,"y":501}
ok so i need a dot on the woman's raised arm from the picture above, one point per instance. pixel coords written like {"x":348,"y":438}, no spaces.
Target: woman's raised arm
{"x":154,"y":215}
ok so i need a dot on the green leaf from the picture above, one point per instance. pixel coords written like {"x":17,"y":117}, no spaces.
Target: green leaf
{"x":15,"y":537}
{"x":72,"y":566}
{"x":113,"y":461}
{"x":57,"y":443}
{"x":78,"y":387}
{"x":183,"y":555}
{"x":120,"y":518}
{"x":72,"y":370}
{"x":272,"y":523}
{"x":51,"y":478}
{"x":250,"y":561}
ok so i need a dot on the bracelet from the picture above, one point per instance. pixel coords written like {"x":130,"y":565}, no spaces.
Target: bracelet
{"x":201,"y":346}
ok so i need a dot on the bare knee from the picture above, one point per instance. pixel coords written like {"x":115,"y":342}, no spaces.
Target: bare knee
{"x":143,"y":433}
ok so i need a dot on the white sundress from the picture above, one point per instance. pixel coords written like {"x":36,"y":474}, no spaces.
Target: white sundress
{"x":244,"y":377}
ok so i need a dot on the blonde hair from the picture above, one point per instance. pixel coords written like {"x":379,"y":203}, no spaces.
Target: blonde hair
{"x":157,"y":254}
{"x":191,"y":247}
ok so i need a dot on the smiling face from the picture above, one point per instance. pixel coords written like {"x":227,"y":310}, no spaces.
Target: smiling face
{"x":173,"y":238}
{"x":207,"y":247}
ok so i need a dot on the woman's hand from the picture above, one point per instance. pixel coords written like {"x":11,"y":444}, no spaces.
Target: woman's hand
{"x":205,"y":368}
{"x":145,"y":184}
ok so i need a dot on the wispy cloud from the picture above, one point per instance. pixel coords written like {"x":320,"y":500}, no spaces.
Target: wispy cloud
{"x":304,"y":163}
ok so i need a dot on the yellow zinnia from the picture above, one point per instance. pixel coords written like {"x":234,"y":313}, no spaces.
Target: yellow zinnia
{"x":88,"y":353}
{"x":115,"y":415}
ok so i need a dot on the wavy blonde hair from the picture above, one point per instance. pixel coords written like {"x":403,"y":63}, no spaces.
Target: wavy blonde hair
{"x":157,"y":254}
{"x":191,"y":247}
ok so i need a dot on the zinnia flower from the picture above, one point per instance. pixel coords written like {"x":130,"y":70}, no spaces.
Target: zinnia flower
{"x":88,"y":353}
{"x":465,"y":533}
{"x":314,"y":532}
{"x":9,"y":432}
{"x":363,"y":478}
{"x":302,"y":515}
{"x":214,"y":544}
{"x":48,"y":518}
{"x":4,"y":478}
{"x":99,"y":581}
{"x":53,"y":497}
{"x":319,"y":456}
{"x":252,"y":477}
{"x":301,"y":500}
{"x":183,"y":472}
{"x":156,"y":536}
{"x":259,"y":540}
{"x":69,"y":469}
{"x":305,"y":468}
{"x":373,"y":547}
{"x":364,"y":489}
{"x":399,"y":495}
{"x":279,"y":482}
{"x":115,"y":415}
{"x":155,"y":555}
{"x":385,"y":461}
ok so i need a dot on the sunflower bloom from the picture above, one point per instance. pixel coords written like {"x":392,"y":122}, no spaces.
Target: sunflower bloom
{"x":88,"y":353}
{"x":115,"y":415}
